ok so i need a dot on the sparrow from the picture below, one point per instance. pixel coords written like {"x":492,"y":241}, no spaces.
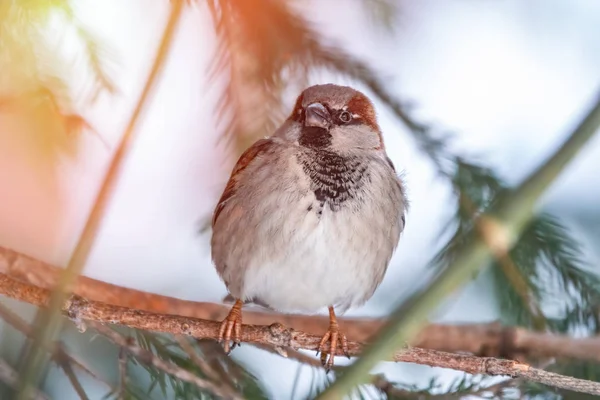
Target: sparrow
{"x":310,"y":216}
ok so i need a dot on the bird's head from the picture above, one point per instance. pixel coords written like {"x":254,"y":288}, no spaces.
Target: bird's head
{"x":335,"y":118}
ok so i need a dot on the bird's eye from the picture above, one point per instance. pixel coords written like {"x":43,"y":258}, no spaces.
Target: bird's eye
{"x":345,"y":116}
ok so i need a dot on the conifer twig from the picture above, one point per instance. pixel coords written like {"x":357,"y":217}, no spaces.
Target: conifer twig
{"x":148,"y":358}
{"x":10,"y":378}
{"x":204,"y":366}
{"x":70,"y":373}
{"x":56,"y":349}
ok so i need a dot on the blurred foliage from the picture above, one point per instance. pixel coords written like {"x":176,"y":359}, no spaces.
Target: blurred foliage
{"x":544,"y":282}
{"x":547,"y":261}
{"x":382,"y":14}
{"x":267,"y":51}
{"x":33,"y":84}
{"x":166,"y":386}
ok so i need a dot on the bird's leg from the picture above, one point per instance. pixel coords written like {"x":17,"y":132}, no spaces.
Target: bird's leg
{"x":334,"y":336}
{"x":233,"y":322}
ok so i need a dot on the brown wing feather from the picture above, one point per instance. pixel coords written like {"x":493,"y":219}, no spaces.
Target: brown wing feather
{"x":245,"y":159}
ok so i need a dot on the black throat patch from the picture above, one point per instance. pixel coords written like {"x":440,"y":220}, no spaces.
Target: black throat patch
{"x":334,"y":179}
{"x":314,"y":137}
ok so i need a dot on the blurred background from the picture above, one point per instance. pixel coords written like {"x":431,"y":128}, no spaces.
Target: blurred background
{"x":504,"y":81}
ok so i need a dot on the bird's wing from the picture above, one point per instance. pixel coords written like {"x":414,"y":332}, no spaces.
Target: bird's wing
{"x":260,"y":147}
{"x":402,"y":190}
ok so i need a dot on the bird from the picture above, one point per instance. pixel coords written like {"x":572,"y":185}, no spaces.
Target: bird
{"x":310,"y":216}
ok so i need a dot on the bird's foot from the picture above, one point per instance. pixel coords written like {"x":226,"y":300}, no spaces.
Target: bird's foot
{"x":231,"y":324}
{"x":335,"y":337}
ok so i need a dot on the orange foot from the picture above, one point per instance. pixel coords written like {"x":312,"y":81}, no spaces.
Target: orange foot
{"x":233,"y":322}
{"x":335,"y":337}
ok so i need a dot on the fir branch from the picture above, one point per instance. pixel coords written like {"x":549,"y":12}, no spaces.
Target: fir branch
{"x":84,"y":312}
{"x":247,"y":57}
{"x":545,"y":264}
{"x":148,"y":358}
{"x":41,"y":70}
{"x":97,"y":56}
{"x":467,"y":385}
{"x":57,"y":350}
{"x":216,"y":367}
{"x":9,"y":377}
{"x":49,"y":321}
{"x":263,"y":45}
{"x":200,"y":363}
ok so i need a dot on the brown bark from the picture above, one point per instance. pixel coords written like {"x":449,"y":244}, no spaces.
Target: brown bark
{"x":487,"y":339}
{"x":276,"y":335}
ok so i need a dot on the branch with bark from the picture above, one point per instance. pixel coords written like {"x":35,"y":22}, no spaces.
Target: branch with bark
{"x":86,"y":311}
{"x":486,"y":339}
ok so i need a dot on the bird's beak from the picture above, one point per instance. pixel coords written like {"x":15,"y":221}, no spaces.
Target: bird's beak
{"x":317,"y":116}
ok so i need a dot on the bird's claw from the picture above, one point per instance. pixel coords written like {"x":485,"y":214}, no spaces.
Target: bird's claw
{"x":231,"y":325}
{"x":335,"y":338}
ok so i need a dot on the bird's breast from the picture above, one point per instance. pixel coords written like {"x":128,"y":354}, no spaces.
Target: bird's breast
{"x":334,"y":179}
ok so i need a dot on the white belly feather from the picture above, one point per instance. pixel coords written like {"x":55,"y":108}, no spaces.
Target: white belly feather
{"x":329,"y":261}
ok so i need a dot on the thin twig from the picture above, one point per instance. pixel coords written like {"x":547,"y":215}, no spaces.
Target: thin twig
{"x":393,"y":392}
{"x":68,"y":369}
{"x":58,"y":352}
{"x":295,"y":355}
{"x":214,"y":373}
{"x":498,"y":388}
{"x":11,"y":379}
{"x":123,"y":360}
{"x":205,"y":367}
{"x":496,"y":367}
{"x":276,"y":335}
{"x":148,"y":358}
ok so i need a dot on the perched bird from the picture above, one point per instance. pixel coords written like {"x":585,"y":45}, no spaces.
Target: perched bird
{"x":310,"y":216}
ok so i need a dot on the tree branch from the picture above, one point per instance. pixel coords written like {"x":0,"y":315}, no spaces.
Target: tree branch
{"x":82,"y":311}
{"x":486,"y":339}
{"x":10,"y":378}
{"x":170,"y":368}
